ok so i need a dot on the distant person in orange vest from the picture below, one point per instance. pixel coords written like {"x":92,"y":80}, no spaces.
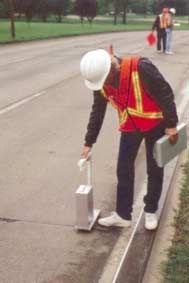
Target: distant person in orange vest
{"x":160,"y":25}
{"x":169,"y":29}
{"x":146,"y":108}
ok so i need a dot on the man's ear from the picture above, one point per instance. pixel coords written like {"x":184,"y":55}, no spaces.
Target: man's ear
{"x":115,"y":63}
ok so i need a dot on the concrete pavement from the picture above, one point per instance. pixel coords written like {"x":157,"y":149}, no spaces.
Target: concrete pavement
{"x":41,"y":139}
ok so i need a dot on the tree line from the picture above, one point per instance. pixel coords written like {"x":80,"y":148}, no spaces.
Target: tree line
{"x":88,"y":8}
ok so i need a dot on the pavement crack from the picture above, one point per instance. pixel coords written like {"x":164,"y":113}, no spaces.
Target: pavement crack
{"x":11,"y":220}
{"x":8,"y":220}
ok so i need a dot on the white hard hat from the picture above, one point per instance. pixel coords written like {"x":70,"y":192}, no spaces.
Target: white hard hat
{"x":95,"y":66}
{"x":173,"y":11}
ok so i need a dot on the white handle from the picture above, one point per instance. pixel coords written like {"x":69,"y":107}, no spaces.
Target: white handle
{"x":81,"y":164}
{"x":89,"y":165}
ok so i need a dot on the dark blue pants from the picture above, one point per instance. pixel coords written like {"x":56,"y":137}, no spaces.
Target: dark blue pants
{"x":129,"y":146}
{"x":161,"y":38}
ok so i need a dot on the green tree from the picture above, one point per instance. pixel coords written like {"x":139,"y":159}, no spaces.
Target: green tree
{"x":58,"y":8}
{"x":141,"y":6}
{"x":125,"y":8}
{"x":105,"y":7}
{"x":3,"y":9}
{"x":86,"y":8}
{"x":182,"y":7}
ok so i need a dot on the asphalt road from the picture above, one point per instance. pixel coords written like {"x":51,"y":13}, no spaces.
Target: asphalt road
{"x":44,"y":109}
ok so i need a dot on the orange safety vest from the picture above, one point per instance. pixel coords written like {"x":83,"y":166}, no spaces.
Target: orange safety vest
{"x":163,"y":21}
{"x":136,"y":109}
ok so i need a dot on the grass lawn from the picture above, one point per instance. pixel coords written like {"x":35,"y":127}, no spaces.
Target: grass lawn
{"x":176,"y":269}
{"x":72,"y":26}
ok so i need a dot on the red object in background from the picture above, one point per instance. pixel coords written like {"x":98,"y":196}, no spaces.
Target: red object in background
{"x":151,"y":39}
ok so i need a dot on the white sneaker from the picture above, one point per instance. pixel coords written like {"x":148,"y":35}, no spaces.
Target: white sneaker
{"x":169,"y":52}
{"x":151,"y":221}
{"x":114,"y":220}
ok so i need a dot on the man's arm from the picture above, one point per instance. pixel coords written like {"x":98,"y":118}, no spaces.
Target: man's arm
{"x":159,"y":89}
{"x":95,"y":122}
{"x":155,"y":24}
{"x":96,"y":118}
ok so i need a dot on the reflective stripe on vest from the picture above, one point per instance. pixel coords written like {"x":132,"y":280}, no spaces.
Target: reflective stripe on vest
{"x":139,"y":106}
{"x":138,"y":98}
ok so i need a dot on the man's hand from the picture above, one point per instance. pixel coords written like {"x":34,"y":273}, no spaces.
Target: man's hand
{"x":173,"y":135}
{"x":85,"y":151}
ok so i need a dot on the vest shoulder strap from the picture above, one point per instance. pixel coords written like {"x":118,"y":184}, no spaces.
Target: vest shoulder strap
{"x":126,"y":69}
{"x":125,"y":65}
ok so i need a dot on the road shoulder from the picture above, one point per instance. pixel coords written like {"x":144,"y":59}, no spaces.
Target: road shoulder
{"x":166,"y":229}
